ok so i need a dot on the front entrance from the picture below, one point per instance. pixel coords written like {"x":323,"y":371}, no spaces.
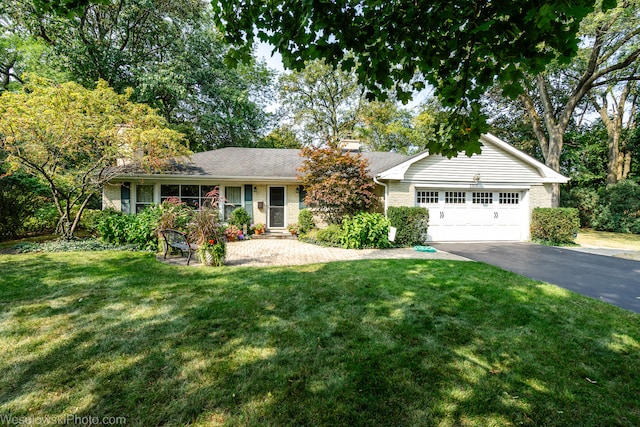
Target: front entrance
{"x":276,"y":207}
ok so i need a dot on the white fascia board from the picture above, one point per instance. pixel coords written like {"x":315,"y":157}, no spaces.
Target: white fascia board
{"x":547,"y":174}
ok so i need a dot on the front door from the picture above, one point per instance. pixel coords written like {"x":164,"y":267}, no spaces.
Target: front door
{"x":276,"y":207}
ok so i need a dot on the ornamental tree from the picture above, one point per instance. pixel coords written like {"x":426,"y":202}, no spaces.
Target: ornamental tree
{"x":337,"y":183}
{"x":461,"y":48}
{"x":76,"y":139}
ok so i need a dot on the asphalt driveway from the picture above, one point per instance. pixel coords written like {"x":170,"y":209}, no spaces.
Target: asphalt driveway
{"x":610,"y":279}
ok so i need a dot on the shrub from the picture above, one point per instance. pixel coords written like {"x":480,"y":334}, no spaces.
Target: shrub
{"x":139,"y":230}
{"x":90,"y":219}
{"x":240,"y":217}
{"x":305,"y":221}
{"x":411,"y":224}
{"x":555,"y":226}
{"x":619,"y":208}
{"x":365,"y":230}
{"x":586,"y":200}
{"x":332,"y":235}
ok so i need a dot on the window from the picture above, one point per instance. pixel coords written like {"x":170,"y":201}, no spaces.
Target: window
{"x":455,"y":197}
{"x":509,"y":198}
{"x":482,"y":198}
{"x":144,"y":196}
{"x":191,"y":195}
{"x":233,"y":200}
{"x":427,"y":197}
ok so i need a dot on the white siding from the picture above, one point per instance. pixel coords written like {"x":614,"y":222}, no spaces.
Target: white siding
{"x":493,"y":165}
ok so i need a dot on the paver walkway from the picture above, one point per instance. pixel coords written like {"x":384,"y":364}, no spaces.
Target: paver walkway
{"x":283,"y":252}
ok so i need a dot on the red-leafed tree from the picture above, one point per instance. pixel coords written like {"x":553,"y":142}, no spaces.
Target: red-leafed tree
{"x":337,"y":183}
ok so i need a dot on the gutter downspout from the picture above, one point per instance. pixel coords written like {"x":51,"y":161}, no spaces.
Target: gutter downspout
{"x":386,"y":194}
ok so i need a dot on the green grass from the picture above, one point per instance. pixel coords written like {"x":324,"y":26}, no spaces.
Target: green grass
{"x":385,"y":342}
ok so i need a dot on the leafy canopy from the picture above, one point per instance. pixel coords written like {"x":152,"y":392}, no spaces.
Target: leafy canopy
{"x":461,"y":48}
{"x":72,"y":138}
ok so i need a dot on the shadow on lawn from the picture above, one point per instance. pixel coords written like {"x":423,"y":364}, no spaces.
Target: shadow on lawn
{"x":357,"y":343}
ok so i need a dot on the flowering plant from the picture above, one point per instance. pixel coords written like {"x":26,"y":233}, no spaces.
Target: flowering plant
{"x":293,"y":228}
{"x":258,"y":227}
{"x":232,"y":232}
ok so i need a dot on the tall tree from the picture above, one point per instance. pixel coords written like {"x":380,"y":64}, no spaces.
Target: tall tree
{"x":169,"y":52}
{"x":617,"y":106}
{"x":324,"y":102}
{"x":73,"y":139}
{"x":461,"y":48}
{"x":611,"y":43}
{"x":384,"y":126}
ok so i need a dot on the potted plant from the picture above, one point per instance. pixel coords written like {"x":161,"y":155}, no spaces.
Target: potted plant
{"x":232,"y":233}
{"x":258,"y":228}
{"x":293,"y":228}
{"x":213,"y":252}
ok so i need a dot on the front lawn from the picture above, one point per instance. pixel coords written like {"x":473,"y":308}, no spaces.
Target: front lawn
{"x":384,"y":342}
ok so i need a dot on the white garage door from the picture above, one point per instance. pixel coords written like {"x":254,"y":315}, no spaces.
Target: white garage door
{"x":463,"y":215}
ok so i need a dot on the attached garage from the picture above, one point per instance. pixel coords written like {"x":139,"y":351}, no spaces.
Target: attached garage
{"x":459,"y":215}
{"x":486,"y":197}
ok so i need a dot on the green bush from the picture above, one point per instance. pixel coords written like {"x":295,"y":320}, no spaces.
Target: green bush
{"x":139,"y":230}
{"x":240,"y":217}
{"x":365,"y":230}
{"x":586,"y":200}
{"x":554,"y":226}
{"x":411,"y":224}
{"x":619,"y":208}
{"x":305,"y":221}
{"x":332,"y":235}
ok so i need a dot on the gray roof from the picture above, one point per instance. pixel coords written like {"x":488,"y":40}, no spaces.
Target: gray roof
{"x":239,"y":162}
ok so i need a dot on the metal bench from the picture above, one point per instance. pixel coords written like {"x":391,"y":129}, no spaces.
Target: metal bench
{"x":177,"y":240}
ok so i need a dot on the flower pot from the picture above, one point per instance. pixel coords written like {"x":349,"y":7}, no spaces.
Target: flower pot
{"x":206,"y":257}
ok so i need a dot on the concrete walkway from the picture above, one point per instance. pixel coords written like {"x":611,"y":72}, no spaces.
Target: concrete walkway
{"x":284,"y":252}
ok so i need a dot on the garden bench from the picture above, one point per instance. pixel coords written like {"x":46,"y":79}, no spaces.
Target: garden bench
{"x":177,"y":240}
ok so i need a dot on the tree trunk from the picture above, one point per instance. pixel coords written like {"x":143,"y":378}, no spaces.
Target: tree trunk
{"x":552,"y":159}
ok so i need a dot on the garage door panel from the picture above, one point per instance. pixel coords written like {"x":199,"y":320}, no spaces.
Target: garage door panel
{"x":473,"y":216}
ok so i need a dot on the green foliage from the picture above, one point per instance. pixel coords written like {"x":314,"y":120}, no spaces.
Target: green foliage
{"x":240,"y":217}
{"x":555,"y":226}
{"x":170,"y":54}
{"x":337,"y":184}
{"x":460,"y":48}
{"x":619,"y":208}
{"x":305,"y":221}
{"x":365,"y":230}
{"x":71,"y":137}
{"x":72,"y":246}
{"x":585,"y":200}
{"x":411,"y":224}
{"x":324,"y":101}
{"x":139,"y":230}
{"x":330,"y":235}
{"x":22,"y":197}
